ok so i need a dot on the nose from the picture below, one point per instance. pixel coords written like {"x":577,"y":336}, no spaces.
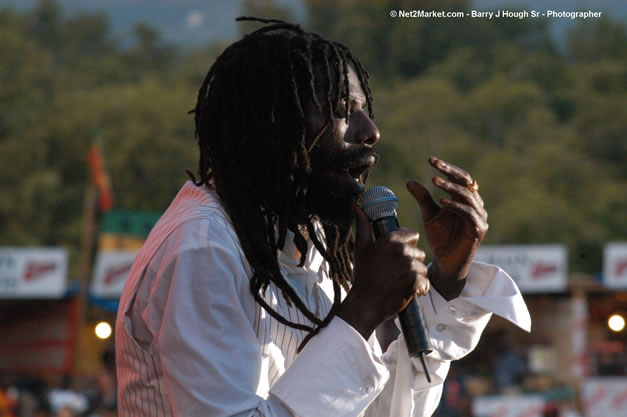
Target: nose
{"x":366,"y":132}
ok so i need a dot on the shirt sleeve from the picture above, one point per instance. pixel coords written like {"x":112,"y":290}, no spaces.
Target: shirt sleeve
{"x":208,"y":349}
{"x":336,"y":374}
{"x":455,"y":328}
{"x":212,"y":358}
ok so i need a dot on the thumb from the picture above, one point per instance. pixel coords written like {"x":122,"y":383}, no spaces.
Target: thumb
{"x":428,"y":207}
{"x":363,"y":232}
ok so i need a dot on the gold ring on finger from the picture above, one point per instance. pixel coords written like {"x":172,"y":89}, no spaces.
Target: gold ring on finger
{"x":474,"y":186}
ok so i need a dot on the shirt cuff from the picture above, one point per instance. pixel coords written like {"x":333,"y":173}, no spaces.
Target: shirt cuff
{"x":455,"y":326}
{"x":492,"y":289}
{"x":488,"y":289}
{"x":336,"y":374}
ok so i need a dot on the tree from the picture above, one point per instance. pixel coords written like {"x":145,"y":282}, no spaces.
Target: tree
{"x":542,"y":130}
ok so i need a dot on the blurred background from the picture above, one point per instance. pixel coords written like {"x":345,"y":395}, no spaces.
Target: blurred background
{"x":95,"y":140}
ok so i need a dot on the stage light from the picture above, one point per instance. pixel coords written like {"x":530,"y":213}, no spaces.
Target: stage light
{"x":616,"y":323}
{"x":103,"y":330}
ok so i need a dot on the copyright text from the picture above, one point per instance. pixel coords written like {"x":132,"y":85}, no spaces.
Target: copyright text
{"x":496,"y":14}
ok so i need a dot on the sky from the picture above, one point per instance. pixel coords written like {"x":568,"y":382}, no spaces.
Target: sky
{"x":181,"y":22}
{"x":197,"y":22}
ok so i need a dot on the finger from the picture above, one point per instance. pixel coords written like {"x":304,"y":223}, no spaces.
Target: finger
{"x":452,"y":172}
{"x":412,"y":254}
{"x":428,"y":207}
{"x":415,"y":280}
{"x":363,"y":231}
{"x":459,"y":192}
{"x":415,"y":253}
{"x":467,"y":213}
{"x":404,"y":236}
{"x":422,"y":284}
{"x":419,"y":267}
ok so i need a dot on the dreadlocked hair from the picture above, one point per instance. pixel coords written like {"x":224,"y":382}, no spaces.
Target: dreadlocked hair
{"x":251,"y":126}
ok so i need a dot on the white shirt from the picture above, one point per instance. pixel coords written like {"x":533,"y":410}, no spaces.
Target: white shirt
{"x":192,"y":341}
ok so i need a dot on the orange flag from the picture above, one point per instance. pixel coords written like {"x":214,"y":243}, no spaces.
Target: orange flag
{"x":99,"y":176}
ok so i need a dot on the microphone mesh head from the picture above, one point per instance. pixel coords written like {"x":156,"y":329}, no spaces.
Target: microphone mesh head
{"x":379,"y":202}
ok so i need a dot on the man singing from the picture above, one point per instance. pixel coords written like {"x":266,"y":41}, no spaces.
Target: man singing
{"x":251,"y":297}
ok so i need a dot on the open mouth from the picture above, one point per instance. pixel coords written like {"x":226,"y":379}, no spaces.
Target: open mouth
{"x":357,"y":166}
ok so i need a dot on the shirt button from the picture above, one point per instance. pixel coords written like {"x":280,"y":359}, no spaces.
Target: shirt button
{"x":440,"y":327}
{"x":451,"y":310}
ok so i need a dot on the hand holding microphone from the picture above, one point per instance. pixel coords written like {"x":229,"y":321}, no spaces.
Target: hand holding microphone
{"x":388,"y":274}
{"x":380,"y":205}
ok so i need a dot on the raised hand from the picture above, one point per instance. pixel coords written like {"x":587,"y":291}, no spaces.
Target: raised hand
{"x":455,"y":229}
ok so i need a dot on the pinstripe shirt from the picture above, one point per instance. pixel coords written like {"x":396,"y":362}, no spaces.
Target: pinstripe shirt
{"x":192,"y":341}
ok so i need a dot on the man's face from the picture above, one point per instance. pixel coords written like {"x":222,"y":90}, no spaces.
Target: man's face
{"x":342,"y":157}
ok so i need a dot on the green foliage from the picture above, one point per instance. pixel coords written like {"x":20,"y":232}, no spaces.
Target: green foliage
{"x":60,"y":80}
{"x":542,"y":130}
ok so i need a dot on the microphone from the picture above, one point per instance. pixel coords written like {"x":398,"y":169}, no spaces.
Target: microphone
{"x":380,"y":205}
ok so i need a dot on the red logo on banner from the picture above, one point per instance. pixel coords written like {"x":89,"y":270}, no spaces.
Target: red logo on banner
{"x":594,"y":398}
{"x":35,"y":270}
{"x":538,"y":270}
{"x":116,"y":273}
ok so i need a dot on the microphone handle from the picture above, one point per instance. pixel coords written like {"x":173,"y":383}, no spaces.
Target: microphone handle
{"x":412,"y":320}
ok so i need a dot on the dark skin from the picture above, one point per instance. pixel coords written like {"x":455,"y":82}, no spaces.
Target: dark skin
{"x":390,"y":272}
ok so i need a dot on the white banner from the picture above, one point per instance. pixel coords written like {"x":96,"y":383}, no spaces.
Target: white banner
{"x":110,"y":272}
{"x":615,"y":265}
{"x":33,"y":272}
{"x":535,"y":268}
{"x":605,"y":396}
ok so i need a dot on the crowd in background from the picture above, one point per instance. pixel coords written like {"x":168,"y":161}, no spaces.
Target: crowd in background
{"x":93,"y":395}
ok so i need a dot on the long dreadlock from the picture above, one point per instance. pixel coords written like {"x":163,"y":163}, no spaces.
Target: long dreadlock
{"x":251,"y":126}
